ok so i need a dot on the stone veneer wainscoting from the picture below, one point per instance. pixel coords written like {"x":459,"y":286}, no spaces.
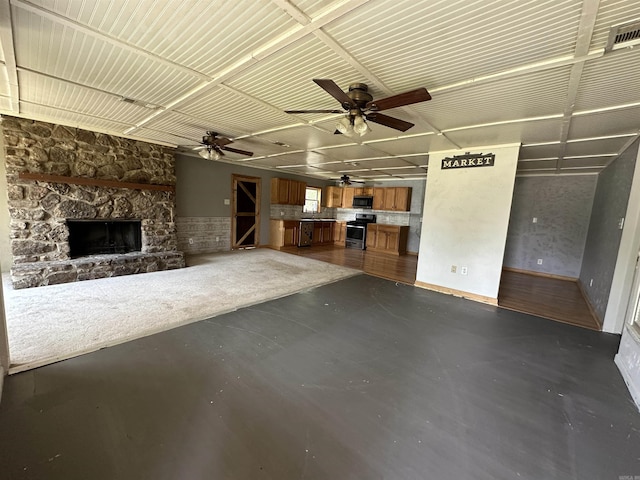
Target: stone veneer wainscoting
{"x":39,"y":209}
{"x":204,"y":234}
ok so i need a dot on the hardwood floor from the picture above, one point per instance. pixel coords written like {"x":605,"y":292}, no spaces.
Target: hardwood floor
{"x":552,"y":298}
{"x":400,"y":268}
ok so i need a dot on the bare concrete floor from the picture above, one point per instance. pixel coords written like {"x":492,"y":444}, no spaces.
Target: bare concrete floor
{"x":360,"y":379}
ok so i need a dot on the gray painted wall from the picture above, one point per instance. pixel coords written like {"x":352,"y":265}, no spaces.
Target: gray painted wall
{"x":562,"y":207}
{"x":603,"y":239}
{"x":203,"y":185}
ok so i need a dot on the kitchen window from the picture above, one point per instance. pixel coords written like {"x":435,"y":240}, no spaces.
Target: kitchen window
{"x":312,"y":198}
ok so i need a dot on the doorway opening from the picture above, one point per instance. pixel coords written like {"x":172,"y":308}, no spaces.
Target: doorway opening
{"x":245,"y":215}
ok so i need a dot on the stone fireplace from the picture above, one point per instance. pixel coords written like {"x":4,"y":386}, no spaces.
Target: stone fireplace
{"x":86,"y":205}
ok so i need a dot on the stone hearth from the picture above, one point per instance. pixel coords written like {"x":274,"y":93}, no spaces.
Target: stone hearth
{"x":40,"y":210}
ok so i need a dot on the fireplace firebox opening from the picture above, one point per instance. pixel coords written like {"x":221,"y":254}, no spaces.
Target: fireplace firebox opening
{"x":99,"y":237}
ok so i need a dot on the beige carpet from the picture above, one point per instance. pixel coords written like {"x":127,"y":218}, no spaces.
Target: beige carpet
{"x":48,"y":324}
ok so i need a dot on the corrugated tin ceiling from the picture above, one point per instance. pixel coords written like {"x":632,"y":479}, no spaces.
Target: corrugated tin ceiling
{"x":499,"y":72}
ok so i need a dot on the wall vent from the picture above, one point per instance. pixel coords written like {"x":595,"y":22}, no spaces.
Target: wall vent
{"x":623,"y":35}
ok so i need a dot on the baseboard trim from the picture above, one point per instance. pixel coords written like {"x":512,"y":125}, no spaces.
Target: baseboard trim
{"x":458,"y":293}
{"x":634,"y":390}
{"x":540,"y":274}
{"x":415,"y":254}
{"x":588,"y":302}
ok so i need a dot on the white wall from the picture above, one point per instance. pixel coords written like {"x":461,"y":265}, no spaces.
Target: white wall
{"x":464,"y":223}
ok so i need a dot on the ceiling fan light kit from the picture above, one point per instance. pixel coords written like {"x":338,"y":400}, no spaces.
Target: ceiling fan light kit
{"x":209,"y":153}
{"x":361,"y":106}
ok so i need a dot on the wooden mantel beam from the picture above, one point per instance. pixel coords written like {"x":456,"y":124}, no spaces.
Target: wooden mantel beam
{"x":44,"y":177}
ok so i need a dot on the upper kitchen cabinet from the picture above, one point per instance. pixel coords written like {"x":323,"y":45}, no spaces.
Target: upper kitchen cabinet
{"x":397,"y":199}
{"x":333,"y":197}
{"x":287,"y":192}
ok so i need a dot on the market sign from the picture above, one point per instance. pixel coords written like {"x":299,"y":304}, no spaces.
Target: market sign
{"x":468,"y":160}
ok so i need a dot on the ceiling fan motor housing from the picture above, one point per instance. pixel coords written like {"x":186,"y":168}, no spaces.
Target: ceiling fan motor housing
{"x":358,"y":92}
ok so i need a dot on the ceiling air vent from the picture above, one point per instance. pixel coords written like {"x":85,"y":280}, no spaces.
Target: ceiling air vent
{"x":623,"y":35}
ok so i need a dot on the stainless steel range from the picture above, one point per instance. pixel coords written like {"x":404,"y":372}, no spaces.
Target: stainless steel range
{"x":357,"y":230}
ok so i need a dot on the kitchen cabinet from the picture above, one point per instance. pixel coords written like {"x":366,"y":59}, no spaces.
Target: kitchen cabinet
{"x":347,"y":197}
{"x":322,"y":232}
{"x":340,"y":233}
{"x":284,"y":233}
{"x":396,"y":199}
{"x":378,"y":198}
{"x":390,"y":239}
{"x":287,"y":192}
{"x":333,"y":197}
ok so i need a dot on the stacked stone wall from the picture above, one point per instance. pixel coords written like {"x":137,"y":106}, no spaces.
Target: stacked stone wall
{"x":39,"y":209}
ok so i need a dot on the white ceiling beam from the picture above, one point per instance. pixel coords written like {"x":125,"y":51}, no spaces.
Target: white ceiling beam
{"x":8,"y":50}
{"x":583,"y":41}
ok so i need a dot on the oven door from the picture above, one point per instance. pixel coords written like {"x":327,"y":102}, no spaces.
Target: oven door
{"x":356,"y":236}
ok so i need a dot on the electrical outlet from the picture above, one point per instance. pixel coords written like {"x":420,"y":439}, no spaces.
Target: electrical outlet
{"x":217,"y":239}
{"x":535,"y":219}
{"x":227,"y":201}
{"x":463,"y":270}
{"x":281,"y":213}
{"x":454,"y":269}
{"x":621,"y":223}
{"x":539,"y":261}
{"x":191,"y":241}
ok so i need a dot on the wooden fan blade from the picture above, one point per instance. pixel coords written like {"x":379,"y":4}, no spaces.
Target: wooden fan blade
{"x":388,"y":121}
{"x":400,"y":100}
{"x":200,"y":147}
{"x":314,"y":111}
{"x":335,"y":91}
{"x":222,"y":141}
{"x":237,"y":150}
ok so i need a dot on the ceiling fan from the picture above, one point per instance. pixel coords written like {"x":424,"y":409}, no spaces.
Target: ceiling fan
{"x":212,"y":147}
{"x":346,"y":180}
{"x":360,"y":105}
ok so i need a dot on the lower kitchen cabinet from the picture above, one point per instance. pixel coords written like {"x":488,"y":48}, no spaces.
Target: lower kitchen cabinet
{"x":390,"y":239}
{"x":340,"y":233}
{"x":284,"y":233}
{"x":322,"y":232}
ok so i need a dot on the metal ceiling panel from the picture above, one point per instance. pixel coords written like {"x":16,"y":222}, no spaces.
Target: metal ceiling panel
{"x":401,"y":171}
{"x":284,"y":80}
{"x":537,"y":165}
{"x":612,"y":12}
{"x":350,"y":152}
{"x":433,"y":44}
{"x":534,"y":95}
{"x":610,"y":80}
{"x":540,"y":151}
{"x":190,"y":130}
{"x":204,"y":36}
{"x":614,"y":122}
{"x":221,"y":106}
{"x":404,"y":146}
{"x":596,"y":147}
{"x":305,"y":137}
{"x":585,"y":162}
{"x":64,"y":117}
{"x":524,"y":132}
{"x":41,"y":90}
{"x":382,"y":163}
{"x":311,"y":8}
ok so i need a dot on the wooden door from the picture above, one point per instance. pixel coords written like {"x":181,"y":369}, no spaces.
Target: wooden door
{"x":245,"y":215}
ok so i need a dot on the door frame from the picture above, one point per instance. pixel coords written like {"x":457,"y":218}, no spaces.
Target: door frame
{"x":235,"y":178}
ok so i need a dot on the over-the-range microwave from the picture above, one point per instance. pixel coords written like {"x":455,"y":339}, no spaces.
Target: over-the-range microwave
{"x":362,"y":201}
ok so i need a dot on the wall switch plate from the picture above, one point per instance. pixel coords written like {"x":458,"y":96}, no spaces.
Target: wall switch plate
{"x":539,"y":261}
{"x":535,"y":219}
{"x":227,"y":201}
{"x":217,"y":239}
{"x":463,"y":270}
{"x":454,"y":269}
{"x":621,"y":223}
{"x":591,"y":282}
